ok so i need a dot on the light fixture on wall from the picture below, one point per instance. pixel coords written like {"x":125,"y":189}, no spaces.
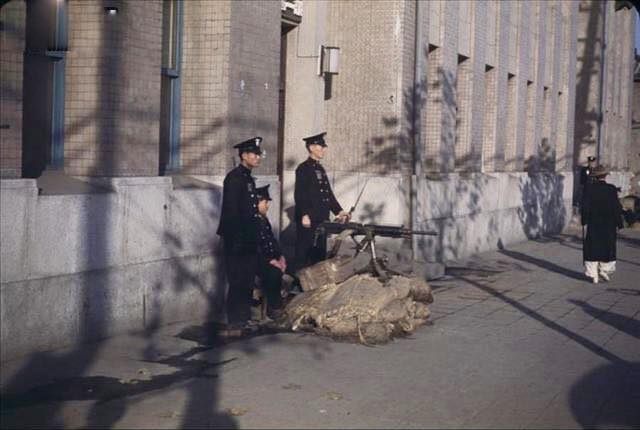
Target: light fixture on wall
{"x":329,"y":60}
{"x":111,"y":10}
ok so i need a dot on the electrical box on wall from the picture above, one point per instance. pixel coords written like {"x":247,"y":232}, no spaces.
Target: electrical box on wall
{"x":329,"y":60}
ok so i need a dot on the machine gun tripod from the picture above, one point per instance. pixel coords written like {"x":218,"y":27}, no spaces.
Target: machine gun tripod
{"x":369,"y":232}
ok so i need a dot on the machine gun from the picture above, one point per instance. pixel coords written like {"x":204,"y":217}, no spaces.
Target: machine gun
{"x":369,"y":233}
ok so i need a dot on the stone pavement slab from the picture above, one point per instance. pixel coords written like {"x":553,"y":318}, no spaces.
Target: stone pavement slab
{"x":518,"y":339}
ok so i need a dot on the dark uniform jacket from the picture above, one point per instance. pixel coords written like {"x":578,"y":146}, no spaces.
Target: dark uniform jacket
{"x":313,"y":195}
{"x":269,"y":248}
{"x":602,"y":214}
{"x":238,"y":218}
{"x":585,"y":177}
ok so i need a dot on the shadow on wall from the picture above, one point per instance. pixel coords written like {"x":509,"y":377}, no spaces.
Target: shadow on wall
{"x":94,"y":295}
{"x":393,"y":152}
{"x":543,"y":210}
{"x":47,"y":380}
{"x":589,"y":64}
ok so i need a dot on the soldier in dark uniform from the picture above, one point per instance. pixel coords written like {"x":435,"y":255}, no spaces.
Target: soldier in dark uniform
{"x":314,"y":200}
{"x":586,"y":179}
{"x":239,"y":230}
{"x":602,"y":215}
{"x":271,"y":262}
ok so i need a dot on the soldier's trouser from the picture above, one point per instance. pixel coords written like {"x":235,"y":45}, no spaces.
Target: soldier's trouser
{"x":596,"y":269}
{"x":271,"y":280}
{"x":308,"y":253}
{"x":241,"y":273}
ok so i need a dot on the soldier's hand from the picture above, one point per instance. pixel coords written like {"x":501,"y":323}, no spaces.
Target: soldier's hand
{"x":343,"y":217}
{"x":306,"y":221}
{"x":283,"y":264}
{"x":275,"y":263}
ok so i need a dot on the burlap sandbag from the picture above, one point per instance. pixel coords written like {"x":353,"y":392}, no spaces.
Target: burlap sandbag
{"x":361,"y":308}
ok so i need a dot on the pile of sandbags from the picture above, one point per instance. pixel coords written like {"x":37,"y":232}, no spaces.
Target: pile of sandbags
{"x":361,"y":308}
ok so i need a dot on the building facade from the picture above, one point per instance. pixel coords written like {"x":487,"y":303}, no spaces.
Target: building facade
{"x":634,"y":148}
{"x":118,"y":120}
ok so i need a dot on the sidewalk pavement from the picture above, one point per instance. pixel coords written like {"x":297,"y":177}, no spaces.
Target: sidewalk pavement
{"x":519,"y":339}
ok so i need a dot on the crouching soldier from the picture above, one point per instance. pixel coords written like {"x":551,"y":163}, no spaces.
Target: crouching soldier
{"x":271,"y":262}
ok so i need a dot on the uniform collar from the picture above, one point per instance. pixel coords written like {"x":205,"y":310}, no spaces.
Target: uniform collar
{"x":244,"y":169}
{"x":313,"y":161}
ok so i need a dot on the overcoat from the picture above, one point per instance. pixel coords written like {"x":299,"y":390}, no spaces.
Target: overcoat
{"x":239,"y":215}
{"x":601,"y":212}
{"x":313,"y":194}
{"x":314,"y":197}
{"x":239,"y":230}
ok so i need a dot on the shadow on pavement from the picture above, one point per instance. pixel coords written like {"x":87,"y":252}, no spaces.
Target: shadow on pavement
{"x":625,"y":324}
{"x":544,"y":264}
{"x":608,"y":395}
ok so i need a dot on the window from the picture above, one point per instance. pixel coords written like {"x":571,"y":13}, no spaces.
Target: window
{"x":44,"y":64}
{"x":171,"y":87}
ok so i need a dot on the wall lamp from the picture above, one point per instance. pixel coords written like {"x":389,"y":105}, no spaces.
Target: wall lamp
{"x":328,"y":60}
{"x":111,"y":10}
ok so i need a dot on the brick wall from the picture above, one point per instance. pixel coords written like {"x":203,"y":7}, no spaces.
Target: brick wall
{"x":204,"y":136}
{"x":618,"y":74}
{"x":364,"y":107}
{"x":12,"y":42}
{"x":471,"y":117}
{"x":254,"y":72}
{"x":112,"y":98}
{"x":616,"y":108}
{"x":634,"y":147}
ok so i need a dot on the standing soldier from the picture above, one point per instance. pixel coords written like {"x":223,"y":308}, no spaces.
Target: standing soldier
{"x":586,"y":179}
{"x":314,"y":200}
{"x":239,"y":230}
{"x":602,"y":214}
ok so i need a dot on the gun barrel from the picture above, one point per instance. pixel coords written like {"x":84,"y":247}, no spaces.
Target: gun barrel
{"x":379,"y":230}
{"x":393,"y":231}
{"x":424,"y":233}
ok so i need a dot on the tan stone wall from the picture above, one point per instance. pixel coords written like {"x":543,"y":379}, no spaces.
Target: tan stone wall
{"x":496,"y":92}
{"x":367,"y":101}
{"x":230,"y":72}
{"x":634,"y":147}
{"x":205,"y":87}
{"x":112,"y":94}
{"x":254,"y":72}
{"x":470,"y":118}
{"x":615,"y":86}
{"x":497,"y":96}
{"x":12,"y":42}
{"x":618,"y":81}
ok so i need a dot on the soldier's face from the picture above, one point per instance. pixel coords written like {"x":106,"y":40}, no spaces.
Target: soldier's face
{"x":251,"y":159}
{"x":263,"y":206}
{"x":317,"y":151}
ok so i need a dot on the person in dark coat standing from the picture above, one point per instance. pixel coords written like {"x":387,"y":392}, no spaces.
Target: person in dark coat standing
{"x":239,"y":230}
{"x":586,"y":179}
{"x":601,"y":213}
{"x":314,"y":200}
{"x":271,"y":262}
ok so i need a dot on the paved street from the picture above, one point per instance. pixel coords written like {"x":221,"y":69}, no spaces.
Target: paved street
{"x":519,"y":339}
